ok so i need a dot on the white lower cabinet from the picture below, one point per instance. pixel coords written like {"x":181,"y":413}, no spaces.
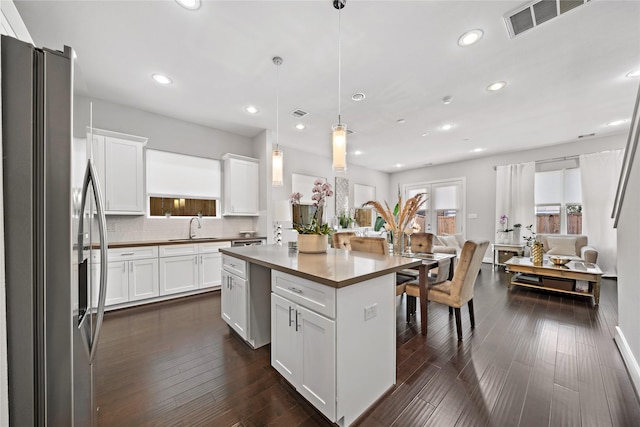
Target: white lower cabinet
{"x":178,"y":274}
{"x":143,"y":279}
{"x":303,"y":350}
{"x":210,"y":266}
{"x":132,"y":275}
{"x":234,"y":302}
{"x":336,"y":346}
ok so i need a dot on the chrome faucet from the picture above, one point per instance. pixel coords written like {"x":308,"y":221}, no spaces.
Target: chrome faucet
{"x":191,"y":233}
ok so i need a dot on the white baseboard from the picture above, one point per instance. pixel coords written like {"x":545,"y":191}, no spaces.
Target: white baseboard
{"x":629,"y":360}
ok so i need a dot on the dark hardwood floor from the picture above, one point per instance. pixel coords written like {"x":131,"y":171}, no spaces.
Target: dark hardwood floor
{"x":534,"y":359}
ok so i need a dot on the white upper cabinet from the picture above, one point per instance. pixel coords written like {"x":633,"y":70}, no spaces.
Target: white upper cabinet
{"x":241,"y":181}
{"x":119,"y":160}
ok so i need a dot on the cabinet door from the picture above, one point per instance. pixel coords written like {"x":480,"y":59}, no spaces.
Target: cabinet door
{"x":143,"y":279}
{"x":243,"y":187}
{"x":316,"y":377}
{"x":97,"y":154}
{"x":210,"y":268}
{"x":124,"y":175}
{"x":226,"y":306}
{"x":117,"y":283}
{"x":284,"y":345}
{"x":178,"y":274}
{"x":238,"y":293}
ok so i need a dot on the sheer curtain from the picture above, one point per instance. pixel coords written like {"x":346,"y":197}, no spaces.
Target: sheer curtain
{"x":599,"y":175}
{"x":515,"y":194}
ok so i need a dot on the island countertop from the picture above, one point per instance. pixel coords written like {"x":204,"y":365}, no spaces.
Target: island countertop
{"x":336,"y":268}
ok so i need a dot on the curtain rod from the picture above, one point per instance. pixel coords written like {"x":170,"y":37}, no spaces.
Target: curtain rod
{"x":555,"y":159}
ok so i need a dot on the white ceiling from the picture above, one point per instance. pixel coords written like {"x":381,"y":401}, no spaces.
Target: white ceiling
{"x":565,"y":78}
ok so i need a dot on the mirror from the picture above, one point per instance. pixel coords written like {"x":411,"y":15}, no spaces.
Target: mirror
{"x":365,"y":217}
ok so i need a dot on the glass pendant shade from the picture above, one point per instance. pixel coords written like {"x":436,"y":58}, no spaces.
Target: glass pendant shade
{"x":339,"y":142}
{"x":277,"y":166}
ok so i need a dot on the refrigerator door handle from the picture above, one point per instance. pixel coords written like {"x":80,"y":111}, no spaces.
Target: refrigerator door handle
{"x":90,"y":177}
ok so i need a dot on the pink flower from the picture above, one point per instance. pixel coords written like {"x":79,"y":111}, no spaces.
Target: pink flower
{"x":295,"y":198}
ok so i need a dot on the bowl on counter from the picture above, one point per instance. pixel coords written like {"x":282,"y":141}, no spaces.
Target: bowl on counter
{"x":247,"y":234}
{"x":559,"y":260}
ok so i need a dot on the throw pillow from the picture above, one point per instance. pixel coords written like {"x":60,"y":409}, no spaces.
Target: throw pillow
{"x":562,"y":246}
{"x":449,"y":240}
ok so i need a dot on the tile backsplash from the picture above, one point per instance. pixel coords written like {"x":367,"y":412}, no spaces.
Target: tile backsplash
{"x":141,"y":228}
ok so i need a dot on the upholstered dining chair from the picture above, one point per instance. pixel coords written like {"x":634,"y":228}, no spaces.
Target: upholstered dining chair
{"x":341,"y":240}
{"x":422,"y":242}
{"x":377,"y":245}
{"x":459,"y":290}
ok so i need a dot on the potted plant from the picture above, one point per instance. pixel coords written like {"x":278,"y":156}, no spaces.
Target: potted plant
{"x":503,"y":234}
{"x":313,"y":238}
{"x":167,"y":213}
{"x":516,"y":233}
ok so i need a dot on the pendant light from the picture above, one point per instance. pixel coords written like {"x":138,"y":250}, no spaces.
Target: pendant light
{"x":277,"y":156}
{"x":339,"y":134}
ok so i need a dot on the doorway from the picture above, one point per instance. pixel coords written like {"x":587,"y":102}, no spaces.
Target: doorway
{"x":444,"y":210}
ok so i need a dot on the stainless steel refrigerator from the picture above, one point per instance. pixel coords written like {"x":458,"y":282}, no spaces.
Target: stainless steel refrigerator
{"x":52,"y":223}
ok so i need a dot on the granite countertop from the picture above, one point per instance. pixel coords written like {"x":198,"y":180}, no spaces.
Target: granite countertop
{"x":114,"y":245}
{"x":336,"y":268}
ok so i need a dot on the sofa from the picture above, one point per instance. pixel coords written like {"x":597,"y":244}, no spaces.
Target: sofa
{"x":575,"y":246}
{"x":448,"y":244}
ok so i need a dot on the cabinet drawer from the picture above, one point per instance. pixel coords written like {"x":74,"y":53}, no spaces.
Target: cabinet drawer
{"x":177,"y":250}
{"x":206,"y":248}
{"x":234,"y":265}
{"x":126,"y":254}
{"x":314,"y":296}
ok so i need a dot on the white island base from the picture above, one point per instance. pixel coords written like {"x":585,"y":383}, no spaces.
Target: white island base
{"x":335,"y":346}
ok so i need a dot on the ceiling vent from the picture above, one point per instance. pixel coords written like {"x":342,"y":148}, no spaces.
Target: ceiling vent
{"x":298,"y":113}
{"x":350,"y":131}
{"x":537,"y":12}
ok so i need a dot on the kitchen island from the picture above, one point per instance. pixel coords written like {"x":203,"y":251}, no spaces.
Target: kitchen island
{"x":330,"y":319}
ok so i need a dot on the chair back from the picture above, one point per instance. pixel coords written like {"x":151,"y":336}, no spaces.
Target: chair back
{"x":422,"y":242}
{"x":341,"y":240}
{"x":466,"y":272}
{"x":376,"y":245}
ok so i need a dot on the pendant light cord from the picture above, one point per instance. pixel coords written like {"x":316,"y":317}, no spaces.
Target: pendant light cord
{"x":277,"y":106}
{"x":339,"y":63}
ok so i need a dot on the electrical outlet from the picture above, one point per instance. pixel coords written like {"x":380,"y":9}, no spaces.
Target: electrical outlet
{"x":370,"y":312}
{"x":472,"y":216}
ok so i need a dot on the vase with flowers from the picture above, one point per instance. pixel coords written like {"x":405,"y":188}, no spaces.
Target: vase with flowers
{"x":399,"y":219}
{"x":312,"y":237}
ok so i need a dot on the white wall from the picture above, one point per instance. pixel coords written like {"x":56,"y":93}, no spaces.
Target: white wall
{"x":481,"y":178}
{"x":628,"y":331}
{"x":168,"y":134}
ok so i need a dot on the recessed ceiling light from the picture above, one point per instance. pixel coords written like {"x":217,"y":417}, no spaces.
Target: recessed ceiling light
{"x":446,"y":126}
{"x":300,"y":126}
{"x":399,"y":165}
{"x":357,"y":152}
{"x":477,"y":150}
{"x":496,"y":86}
{"x":616,"y":123}
{"x":447,"y":100}
{"x":425,"y":134}
{"x":470,"y":37}
{"x":634,"y":73}
{"x":401,"y":121}
{"x":251,"y":109}
{"x":189,"y":4}
{"x":161,"y":78}
{"x":358,"y":96}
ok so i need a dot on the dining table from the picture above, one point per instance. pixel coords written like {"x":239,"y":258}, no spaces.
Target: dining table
{"x":429,"y":262}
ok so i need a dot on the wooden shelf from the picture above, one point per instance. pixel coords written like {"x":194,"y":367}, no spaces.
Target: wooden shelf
{"x":529,"y":285}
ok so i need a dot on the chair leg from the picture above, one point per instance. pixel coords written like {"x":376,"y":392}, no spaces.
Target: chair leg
{"x":450,"y":310}
{"x":471,"y":314}
{"x":458,"y":323}
{"x":408,"y":304}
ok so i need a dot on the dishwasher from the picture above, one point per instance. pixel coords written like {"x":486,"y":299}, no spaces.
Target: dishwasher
{"x":252,"y":242}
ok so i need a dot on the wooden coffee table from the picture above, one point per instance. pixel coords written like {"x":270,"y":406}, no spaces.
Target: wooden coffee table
{"x":574,"y":270}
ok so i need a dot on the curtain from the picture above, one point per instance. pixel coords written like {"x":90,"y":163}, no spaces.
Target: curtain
{"x":515,"y":194}
{"x":599,"y":175}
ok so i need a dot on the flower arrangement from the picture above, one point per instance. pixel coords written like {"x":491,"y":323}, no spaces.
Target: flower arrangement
{"x":400,"y":218}
{"x":321,"y":190}
{"x":504,"y":222}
